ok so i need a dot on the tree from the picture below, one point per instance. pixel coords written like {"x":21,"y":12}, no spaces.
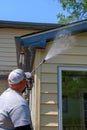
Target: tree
{"x":76,"y":11}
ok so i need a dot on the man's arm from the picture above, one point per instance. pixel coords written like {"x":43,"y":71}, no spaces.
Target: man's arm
{"x":20,"y":117}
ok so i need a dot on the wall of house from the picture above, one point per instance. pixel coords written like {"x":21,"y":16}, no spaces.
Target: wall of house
{"x":45,"y":91}
{"x":8,"y":57}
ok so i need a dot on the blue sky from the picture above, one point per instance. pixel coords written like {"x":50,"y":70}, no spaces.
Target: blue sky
{"x":40,"y":11}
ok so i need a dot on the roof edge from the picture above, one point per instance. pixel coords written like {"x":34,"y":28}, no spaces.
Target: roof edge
{"x":27,"y":25}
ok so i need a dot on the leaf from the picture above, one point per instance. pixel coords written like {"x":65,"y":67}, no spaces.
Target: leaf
{"x":76,"y":11}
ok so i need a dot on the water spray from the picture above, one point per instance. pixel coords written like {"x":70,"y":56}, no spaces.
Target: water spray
{"x":61,"y":43}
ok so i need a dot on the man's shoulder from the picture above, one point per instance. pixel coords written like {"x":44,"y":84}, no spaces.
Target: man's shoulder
{"x":13,"y":97}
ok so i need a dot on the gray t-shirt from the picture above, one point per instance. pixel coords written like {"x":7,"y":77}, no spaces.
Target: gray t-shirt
{"x":14,"y":110}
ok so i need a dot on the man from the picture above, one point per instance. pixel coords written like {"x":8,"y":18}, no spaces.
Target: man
{"x":14,"y":110}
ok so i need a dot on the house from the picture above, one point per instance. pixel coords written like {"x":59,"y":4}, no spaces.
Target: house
{"x":59,"y":96}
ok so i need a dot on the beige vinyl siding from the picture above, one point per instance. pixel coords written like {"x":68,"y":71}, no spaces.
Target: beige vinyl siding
{"x":48,"y":128}
{"x":47,"y":100}
{"x":8,"y":57}
{"x":45,"y":96}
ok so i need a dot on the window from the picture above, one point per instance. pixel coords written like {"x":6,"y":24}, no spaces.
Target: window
{"x":72,"y":84}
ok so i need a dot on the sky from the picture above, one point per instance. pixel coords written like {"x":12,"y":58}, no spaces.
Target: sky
{"x":37,"y":11}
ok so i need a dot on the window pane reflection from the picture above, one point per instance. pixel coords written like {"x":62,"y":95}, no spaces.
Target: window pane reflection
{"x":74,"y":100}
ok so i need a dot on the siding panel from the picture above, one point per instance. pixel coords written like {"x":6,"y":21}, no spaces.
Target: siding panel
{"x":7,"y":67}
{"x":46,"y":69}
{"x":49,"y":78}
{"x":7,"y":63}
{"x":6,"y":49}
{"x":49,"y":98}
{"x":49,"y":128}
{"x":49,"y":121}
{"x":8,"y":54}
{"x":69,"y":59}
{"x":49,"y":88}
{"x":52,"y":111}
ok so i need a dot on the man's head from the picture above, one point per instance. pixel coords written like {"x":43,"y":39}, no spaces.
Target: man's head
{"x":17,"y":79}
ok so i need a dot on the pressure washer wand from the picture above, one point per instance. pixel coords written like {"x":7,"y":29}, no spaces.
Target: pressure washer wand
{"x":38,"y":66}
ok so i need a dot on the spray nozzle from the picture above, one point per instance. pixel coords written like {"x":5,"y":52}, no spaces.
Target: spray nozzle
{"x":42,"y":62}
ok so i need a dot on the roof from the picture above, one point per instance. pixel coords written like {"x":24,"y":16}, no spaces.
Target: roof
{"x":27,"y":25}
{"x":39,"y":39}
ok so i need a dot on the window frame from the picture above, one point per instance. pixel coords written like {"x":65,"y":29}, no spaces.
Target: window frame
{"x":59,"y":88}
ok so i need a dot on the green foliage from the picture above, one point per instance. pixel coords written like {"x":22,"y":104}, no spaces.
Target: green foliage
{"x":76,"y":11}
{"x":73,"y":83}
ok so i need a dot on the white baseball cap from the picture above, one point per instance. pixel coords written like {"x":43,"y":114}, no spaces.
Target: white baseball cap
{"x":17,"y":76}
